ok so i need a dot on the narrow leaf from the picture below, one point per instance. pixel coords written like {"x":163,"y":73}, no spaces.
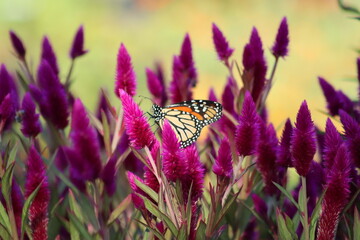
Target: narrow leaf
{"x":106,"y":129}
{"x":287,"y":194}
{"x":282,"y":228}
{"x":4,"y":234}
{"x":75,"y":208}
{"x":200,"y":233}
{"x":79,"y":226}
{"x":4,"y":219}
{"x":6,"y":183}
{"x":152,"y":194}
{"x":119,"y":209}
{"x":356,"y":224}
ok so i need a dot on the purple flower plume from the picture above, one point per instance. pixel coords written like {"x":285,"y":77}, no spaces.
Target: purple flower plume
{"x":7,"y":110}
{"x":248,"y":130}
{"x":259,"y":205}
{"x":173,"y":160}
{"x":332,"y":143}
{"x":248,"y":57}
{"x":77,"y":48}
{"x":187,"y":62}
{"x":352,"y":134}
{"x":137,"y":201}
{"x":303,"y":141}
{"x":51,"y":96}
{"x":30,"y":123}
{"x":212,"y":95}
{"x":155,"y":86}
{"x":125,"y":75}
{"x":17,"y":199}
{"x":223,"y":164}
{"x":48,"y":54}
{"x":331,"y":96}
{"x":17,"y":45}
{"x":228,"y":97}
{"x":336,"y":196}
{"x":136,"y":124}
{"x":346,"y":103}
{"x":108,"y":175}
{"x":284,"y":155}
{"x":61,"y":159}
{"x":38,"y":212}
{"x":224,"y":51}
{"x":280,"y":47}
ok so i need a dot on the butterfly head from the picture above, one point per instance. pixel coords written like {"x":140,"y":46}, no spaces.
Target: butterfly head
{"x":157,"y":114}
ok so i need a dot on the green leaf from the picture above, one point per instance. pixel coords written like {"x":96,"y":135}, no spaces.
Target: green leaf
{"x":257,"y":216}
{"x":356,"y":224}
{"x":4,"y":234}
{"x":12,"y":154}
{"x":106,"y":132}
{"x":200,"y":233}
{"x":287,"y":194}
{"x":4,"y":220}
{"x":7,"y":182}
{"x":182,"y":232}
{"x":75,"y":208}
{"x":26,"y":207}
{"x":226,"y":208}
{"x":152,"y":194}
{"x":74,"y":221}
{"x":119,"y":209}
{"x":291,"y":228}
{"x":22,"y":80}
{"x":282,"y":228}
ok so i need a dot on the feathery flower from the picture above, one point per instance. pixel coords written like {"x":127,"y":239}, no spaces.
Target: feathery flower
{"x":331,"y":96}
{"x":17,"y":200}
{"x":38,"y":212}
{"x":352,"y":133}
{"x":280,"y":47}
{"x":248,"y":130}
{"x":48,"y":54}
{"x":61,"y":160}
{"x":223,"y":164}
{"x":212,"y":95}
{"x":77,"y":48}
{"x":173,"y":160}
{"x":284,"y":155}
{"x":228,"y":97}
{"x":31,"y":126}
{"x":51,"y":96}
{"x":345,"y":102}
{"x":303,"y":141}
{"x":179,"y":89}
{"x":224,"y":51}
{"x":315,"y":179}
{"x":248,"y":58}
{"x":136,"y":124}
{"x":7,"y":109}
{"x":125,"y":75}
{"x":137,"y":201}
{"x":187,"y":62}
{"x":17,"y":45}
{"x":336,"y":196}
{"x":108,"y":175}
{"x":332,"y":143}
{"x":155,"y":86}
{"x":259,"y":205}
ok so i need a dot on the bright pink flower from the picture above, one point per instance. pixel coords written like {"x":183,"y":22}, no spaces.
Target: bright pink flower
{"x":223,"y":164}
{"x":224,"y":51}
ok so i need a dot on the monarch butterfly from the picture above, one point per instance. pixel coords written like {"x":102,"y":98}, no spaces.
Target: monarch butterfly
{"x":188,"y":118}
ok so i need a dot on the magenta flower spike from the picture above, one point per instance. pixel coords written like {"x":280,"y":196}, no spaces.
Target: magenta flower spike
{"x":187,"y":62}
{"x":212,"y":95}
{"x":137,"y":201}
{"x":7,"y":109}
{"x":332,"y":143}
{"x":155,"y":86}
{"x":259,"y":205}
{"x":85,"y":142}
{"x":352,"y":134}
{"x":30,"y":124}
{"x":136,"y":124}
{"x":284,"y":155}
{"x":223,"y":163}
{"x":346,"y":103}
{"x":174,"y":165}
{"x":331,"y":96}
{"x":77,"y":48}
{"x":125,"y":76}
{"x":61,"y":159}
{"x":281,"y":44}
{"x":48,"y":54}
{"x":149,"y":177}
{"x":228,"y":97}
{"x":51,"y":96}
{"x":179,"y":89}
{"x":303,"y":141}
{"x":248,"y":59}
{"x":17,"y":45}
{"x":17,"y":200}
{"x":248,"y":130}
{"x":336,"y":196}
{"x":38,"y":211}
{"x":108,"y":175}
{"x":223,"y":50}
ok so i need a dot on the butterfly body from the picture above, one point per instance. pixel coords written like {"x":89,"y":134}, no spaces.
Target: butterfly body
{"x":188,"y":118}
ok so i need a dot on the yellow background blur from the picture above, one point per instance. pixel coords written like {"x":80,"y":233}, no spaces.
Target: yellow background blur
{"x":322,"y":42}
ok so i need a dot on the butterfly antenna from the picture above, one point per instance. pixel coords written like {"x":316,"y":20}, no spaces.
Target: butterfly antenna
{"x":147,"y":98}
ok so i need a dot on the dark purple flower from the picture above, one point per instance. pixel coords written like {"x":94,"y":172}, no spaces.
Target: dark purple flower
{"x":51,"y":96}
{"x":179,"y":89}
{"x":331,"y":96}
{"x":303,"y":141}
{"x":248,"y":57}
{"x":7,"y":109}
{"x":358,"y":68}
{"x":345,"y":102}
{"x":228,"y":97}
{"x":187,"y":62}
{"x":284,"y":155}
{"x":224,"y":51}
{"x":38,"y":212}
{"x":17,"y":45}
{"x":332,"y":143}
{"x":315,"y":179}
{"x":48,"y":54}
{"x":155,"y":86}
{"x":17,"y":200}
{"x":125,"y":75}
{"x":223,"y":164}
{"x":61,"y":159}
{"x":31,"y":126}
{"x":108,"y":175}
{"x":259,"y":205}
{"x":136,"y":124}
{"x":137,"y":200}
{"x":352,"y":134}
{"x":336,"y":196}
{"x":280,"y":47}
{"x":212,"y":95}
{"x":173,"y":160}
{"x":77,"y":48}
{"x":248,"y":130}
{"x":250,"y":232}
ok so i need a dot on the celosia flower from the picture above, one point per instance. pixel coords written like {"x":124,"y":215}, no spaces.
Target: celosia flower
{"x":51,"y":96}
{"x":332,"y":143}
{"x":315,"y":179}
{"x":345,"y":102}
{"x":173,"y":160}
{"x":61,"y":159}
{"x":48,"y":54}
{"x":333,"y":102}
{"x":224,"y":51}
{"x":31,"y":126}
{"x":154,"y":85}
{"x":137,"y":201}
{"x":212,"y":95}
{"x":283,"y":155}
{"x":352,"y":133}
{"x":187,"y":62}
{"x":17,"y":200}
{"x":17,"y":45}
{"x":179,"y":89}
{"x":303,"y":141}
{"x":84,"y":142}
{"x":77,"y":48}
{"x":38,"y":211}
{"x":7,"y":109}
{"x":280,"y":47}
{"x":248,"y":130}
{"x":259,"y":205}
{"x":228,"y":97}
{"x":223,"y":163}
{"x":160,"y":75}
{"x":250,"y":232}
{"x":108,"y":175}
{"x":125,"y":75}
{"x":136,"y":124}
{"x":248,"y":59}
{"x":78,"y":168}
{"x":336,"y":196}
{"x":149,"y":177}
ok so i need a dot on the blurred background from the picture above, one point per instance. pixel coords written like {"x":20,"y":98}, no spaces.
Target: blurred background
{"x":323,"y":40}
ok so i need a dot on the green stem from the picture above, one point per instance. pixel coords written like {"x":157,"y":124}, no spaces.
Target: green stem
{"x":31,"y":77}
{"x":306,"y":217}
{"x":269,"y":84}
{"x":67,"y":81}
